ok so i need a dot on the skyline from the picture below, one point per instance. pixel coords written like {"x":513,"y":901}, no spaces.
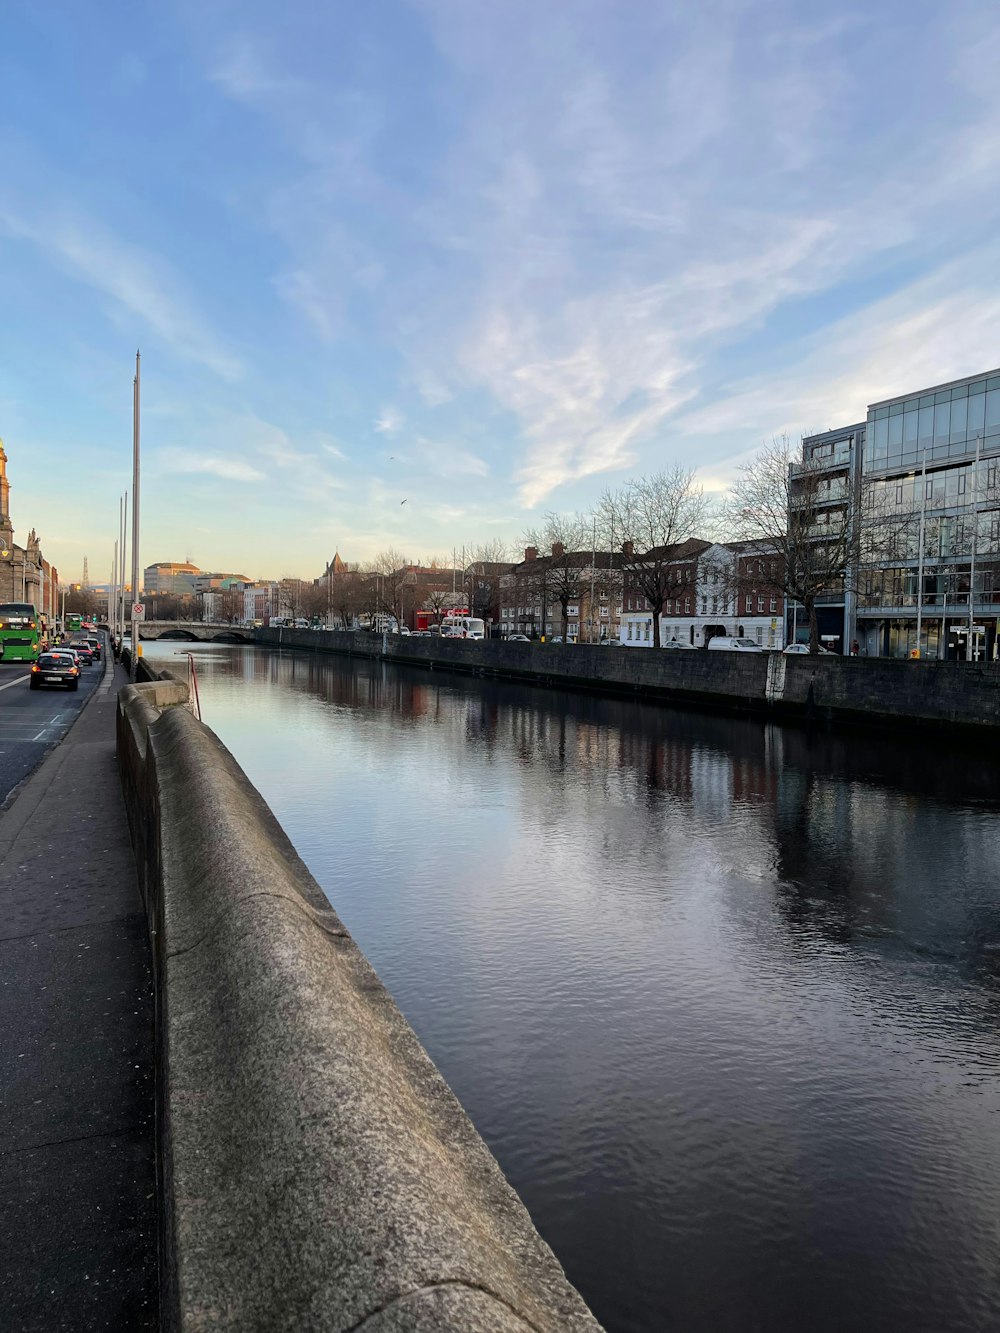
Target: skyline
{"x":486,"y":262}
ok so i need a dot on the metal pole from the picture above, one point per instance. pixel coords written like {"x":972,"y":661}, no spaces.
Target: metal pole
{"x":119,"y":573}
{"x":124,"y":563}
{"x":920,"y":549}
{"x":113,"y":595}
{"x":134,"y":655}
{"x":593,"y":563}
{"x":975,"y":535}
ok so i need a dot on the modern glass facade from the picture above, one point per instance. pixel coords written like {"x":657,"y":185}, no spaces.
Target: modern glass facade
{"x":929,"y":574}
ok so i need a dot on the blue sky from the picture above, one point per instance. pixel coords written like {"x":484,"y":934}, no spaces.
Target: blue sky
{"x":484,"y":258}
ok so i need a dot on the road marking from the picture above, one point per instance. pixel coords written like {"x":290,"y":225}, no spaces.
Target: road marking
{"x":11,"y":683}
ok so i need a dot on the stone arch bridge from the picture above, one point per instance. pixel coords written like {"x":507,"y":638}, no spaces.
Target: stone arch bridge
{"x":194,"y":631}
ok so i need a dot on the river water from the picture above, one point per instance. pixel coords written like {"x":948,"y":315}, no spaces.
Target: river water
{"x":721,"y":996}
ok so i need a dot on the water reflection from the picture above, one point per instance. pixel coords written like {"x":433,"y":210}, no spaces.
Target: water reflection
{"x":721,"y":996}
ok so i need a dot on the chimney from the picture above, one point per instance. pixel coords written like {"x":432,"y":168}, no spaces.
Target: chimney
{"x":558,"y":550}
{"x":628,"y":550}
{"x":531,"y":553}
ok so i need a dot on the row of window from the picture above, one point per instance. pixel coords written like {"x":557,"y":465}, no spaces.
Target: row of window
{"x":536,"y":612}
{"x":935,"y":419}
{"x":678,"y":606}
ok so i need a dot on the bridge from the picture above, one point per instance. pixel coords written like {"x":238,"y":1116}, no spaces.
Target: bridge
{"x":194,"y":631}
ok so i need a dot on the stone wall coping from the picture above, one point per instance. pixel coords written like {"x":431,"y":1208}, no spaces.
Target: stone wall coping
{"x":318,"y":1172}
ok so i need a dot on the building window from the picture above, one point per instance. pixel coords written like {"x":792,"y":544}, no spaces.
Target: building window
{"x":961,"y":485}
{"x":929,"y":489}
{"x":715,"y":606}
{"x":749,"y":603}
{"x":687,"y":606}
{"x":899,"y":494}
{"x":774,"y":605}
{"x":760,"y":604}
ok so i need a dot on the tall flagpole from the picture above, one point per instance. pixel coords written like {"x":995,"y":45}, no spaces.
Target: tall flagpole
{"x":123,"y":558}
{"x":134,"y":655}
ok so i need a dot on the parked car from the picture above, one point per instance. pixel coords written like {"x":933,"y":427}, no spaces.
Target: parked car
{"x":677,"y":643}
{"x":518,"y":638}
{"x":556,"y":638}
{"x":611,"y":643}
{"x":729,"y":643}
{"x":797,"y":649}
{"x":54,"y":670}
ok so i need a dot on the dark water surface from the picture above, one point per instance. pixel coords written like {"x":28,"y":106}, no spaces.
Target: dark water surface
{"x":721,"y":996}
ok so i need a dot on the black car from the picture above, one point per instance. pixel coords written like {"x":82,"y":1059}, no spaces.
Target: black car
{"x":52,"y":670}
{"x":83,"y":651}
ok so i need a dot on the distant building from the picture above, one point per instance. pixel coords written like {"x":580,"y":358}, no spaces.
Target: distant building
{"x":530,"y":602}
{"x":715,"y":588}
{"x":170,"y":577}
{"x":25,"y":575}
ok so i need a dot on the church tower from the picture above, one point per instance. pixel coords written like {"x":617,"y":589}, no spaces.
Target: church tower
{"x":6,"y":526}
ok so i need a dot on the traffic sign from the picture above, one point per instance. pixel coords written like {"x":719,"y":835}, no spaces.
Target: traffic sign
{"x":138,"y":611}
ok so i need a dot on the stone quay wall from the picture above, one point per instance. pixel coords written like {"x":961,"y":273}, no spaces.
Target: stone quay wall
{"x":317,"y":1173}
{"x":887,"y":691}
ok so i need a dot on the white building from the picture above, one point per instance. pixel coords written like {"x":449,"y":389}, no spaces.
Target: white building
{"x":715,"y":589}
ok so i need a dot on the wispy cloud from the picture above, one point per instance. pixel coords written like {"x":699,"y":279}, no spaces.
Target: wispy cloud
{"x":230,"y":469}
{"x":141,"y":286}
{"x":445,"y":460}
{"x":389,"y":421}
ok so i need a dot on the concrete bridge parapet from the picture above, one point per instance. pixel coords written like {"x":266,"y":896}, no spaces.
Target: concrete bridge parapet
{"x":318,"y":1173}
{"x":194,"y":631}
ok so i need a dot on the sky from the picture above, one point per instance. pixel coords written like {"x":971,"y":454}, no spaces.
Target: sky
{"x":409,"y":275}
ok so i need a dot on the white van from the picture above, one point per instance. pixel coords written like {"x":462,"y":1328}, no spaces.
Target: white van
{"x":732,"y":645}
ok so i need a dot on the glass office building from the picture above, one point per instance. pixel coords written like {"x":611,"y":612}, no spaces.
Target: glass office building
{"x":929,"y":571}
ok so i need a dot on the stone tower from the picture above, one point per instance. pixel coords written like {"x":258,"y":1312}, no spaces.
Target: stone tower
{"x":6,"y":526}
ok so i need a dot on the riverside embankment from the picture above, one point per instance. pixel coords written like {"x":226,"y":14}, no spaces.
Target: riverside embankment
{"x":883,"y":691}
{"x":317,"y":1171}
{"x":721,"y":995}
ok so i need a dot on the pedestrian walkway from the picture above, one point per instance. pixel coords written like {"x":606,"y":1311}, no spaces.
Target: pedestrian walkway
{"x":77,"y":1165}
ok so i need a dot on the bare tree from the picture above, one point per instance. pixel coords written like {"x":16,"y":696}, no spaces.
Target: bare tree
{"x":346,"y":595}
{"x":439,"y":600}
{"x":390,"y":570}
{"x":812,"y":523}
{"x":314,"y":601}
{"x":649,"y":519}
{"x":488,"y":563}
{"x":564,"y":543}
{"x":229,"y":605}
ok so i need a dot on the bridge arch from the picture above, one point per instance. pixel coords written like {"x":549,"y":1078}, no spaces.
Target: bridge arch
{"x":194,"y":631}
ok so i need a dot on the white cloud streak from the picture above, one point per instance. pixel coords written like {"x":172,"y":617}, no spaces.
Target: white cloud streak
{"x":229,"y":469}
{"x":142,"y":288}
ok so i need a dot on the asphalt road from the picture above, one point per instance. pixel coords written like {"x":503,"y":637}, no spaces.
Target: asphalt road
{"x":32,"y":721}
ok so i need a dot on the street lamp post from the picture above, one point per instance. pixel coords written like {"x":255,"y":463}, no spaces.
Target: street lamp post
{"x":920,"y":549}
{"x":134,"y":655}
{"x":974,"y":552}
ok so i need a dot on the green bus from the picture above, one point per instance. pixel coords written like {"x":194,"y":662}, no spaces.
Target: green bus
{"x":74,"y":624}
{"x":20,"y":632}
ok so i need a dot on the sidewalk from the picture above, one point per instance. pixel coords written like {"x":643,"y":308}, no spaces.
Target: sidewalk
{"x":77,"y":1167}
